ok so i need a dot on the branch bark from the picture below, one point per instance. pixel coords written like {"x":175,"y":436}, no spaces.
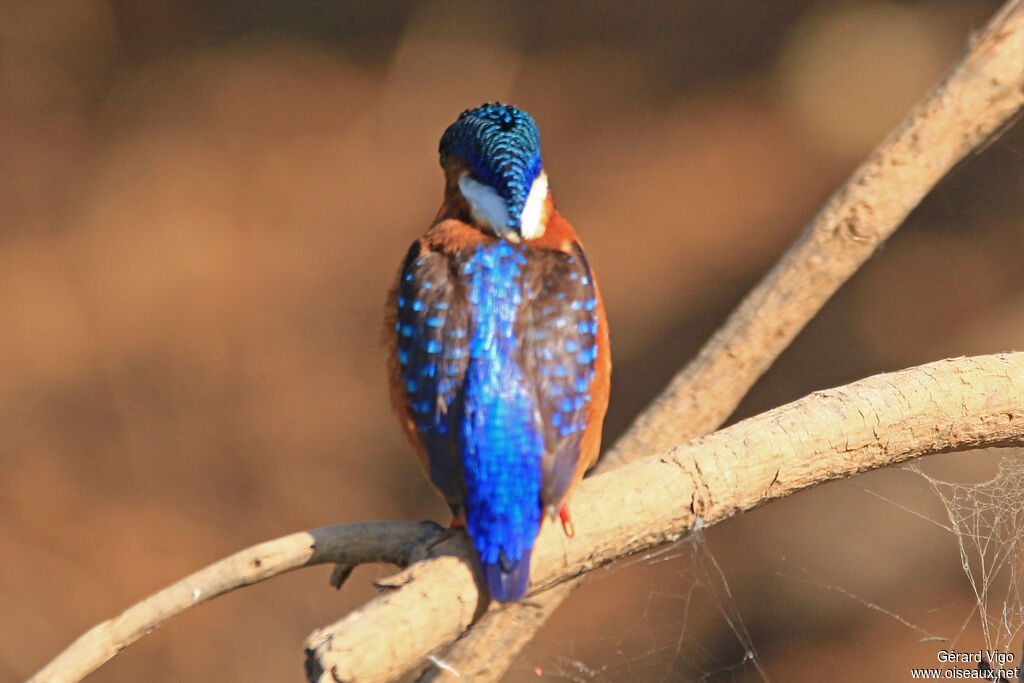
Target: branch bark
{"x":957,"y":404}
{"x":349,"y":544}
{"x":980,"y":93}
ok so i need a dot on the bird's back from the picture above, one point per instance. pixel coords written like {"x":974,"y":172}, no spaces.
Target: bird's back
{"x":499,"y":351}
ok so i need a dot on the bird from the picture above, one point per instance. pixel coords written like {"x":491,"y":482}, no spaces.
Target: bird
{"x":499,"y":360}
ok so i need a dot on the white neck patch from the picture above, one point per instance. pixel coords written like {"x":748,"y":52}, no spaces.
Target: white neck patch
{"x":533,"y":223}
{"x":487,"y":207}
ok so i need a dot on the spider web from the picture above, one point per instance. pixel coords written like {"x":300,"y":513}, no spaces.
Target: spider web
{"x":670,"y":640}
{"x":677,"y":634}
{"x":988,"y":521}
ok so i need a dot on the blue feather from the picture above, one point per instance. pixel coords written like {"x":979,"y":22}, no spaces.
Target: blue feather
{"x":502,"y":446}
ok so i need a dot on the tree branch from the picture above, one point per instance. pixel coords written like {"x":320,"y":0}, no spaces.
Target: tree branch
{"x":350,"y":544}
{"x":957,"y":404}
{"x":981,"y":92}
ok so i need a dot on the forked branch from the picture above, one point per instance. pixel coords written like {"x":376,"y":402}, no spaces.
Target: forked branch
{"x":953,"y":404}
{"x":950,"y":405}
{"x":956,"y":404}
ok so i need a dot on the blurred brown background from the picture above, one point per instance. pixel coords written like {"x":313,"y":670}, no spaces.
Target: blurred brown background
{"x":203,"y":204}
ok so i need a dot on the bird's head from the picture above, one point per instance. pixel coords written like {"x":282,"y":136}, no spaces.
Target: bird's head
{"x":491,"y":157}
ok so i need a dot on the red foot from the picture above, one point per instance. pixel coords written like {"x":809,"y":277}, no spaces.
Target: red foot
{"x":567,"y":525}
{"x":458,"y":522}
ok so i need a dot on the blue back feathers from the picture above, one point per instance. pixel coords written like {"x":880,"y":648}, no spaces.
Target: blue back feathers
{"x":502,"y":445}
{"x":501,"y":144}
{"x":496,"y":345}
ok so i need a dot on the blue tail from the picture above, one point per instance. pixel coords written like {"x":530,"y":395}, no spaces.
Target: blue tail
{"x":507,"y":581}
{"x":502,"y":446}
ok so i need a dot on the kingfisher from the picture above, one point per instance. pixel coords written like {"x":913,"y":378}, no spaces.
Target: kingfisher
{"x":499,"y":358}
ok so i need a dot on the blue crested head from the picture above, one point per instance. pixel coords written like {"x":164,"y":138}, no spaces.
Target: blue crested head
{"x":505,"y":186}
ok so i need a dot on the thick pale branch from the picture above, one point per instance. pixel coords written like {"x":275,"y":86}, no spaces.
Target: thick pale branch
{"x":976,"y":98}
{"x":950,"y":405}
{"x":488,"y":649}
{"x":979,"y":94}
{"x":396,"y":542}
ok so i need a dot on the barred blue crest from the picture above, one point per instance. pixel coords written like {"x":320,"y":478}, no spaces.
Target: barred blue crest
{"x":501,"y":144}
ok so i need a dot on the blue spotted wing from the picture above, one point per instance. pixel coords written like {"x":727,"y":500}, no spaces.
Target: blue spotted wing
{"x":558,"y":329}
{"x":433,"y":352}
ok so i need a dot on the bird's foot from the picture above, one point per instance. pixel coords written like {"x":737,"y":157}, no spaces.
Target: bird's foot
{"x":567,"y":526}
{"x":456,"y":527}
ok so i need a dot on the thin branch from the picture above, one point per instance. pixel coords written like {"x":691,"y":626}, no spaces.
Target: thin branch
{"x":957,"y":404}
{"x":977,"y":97}
{"x":397,"y":543}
